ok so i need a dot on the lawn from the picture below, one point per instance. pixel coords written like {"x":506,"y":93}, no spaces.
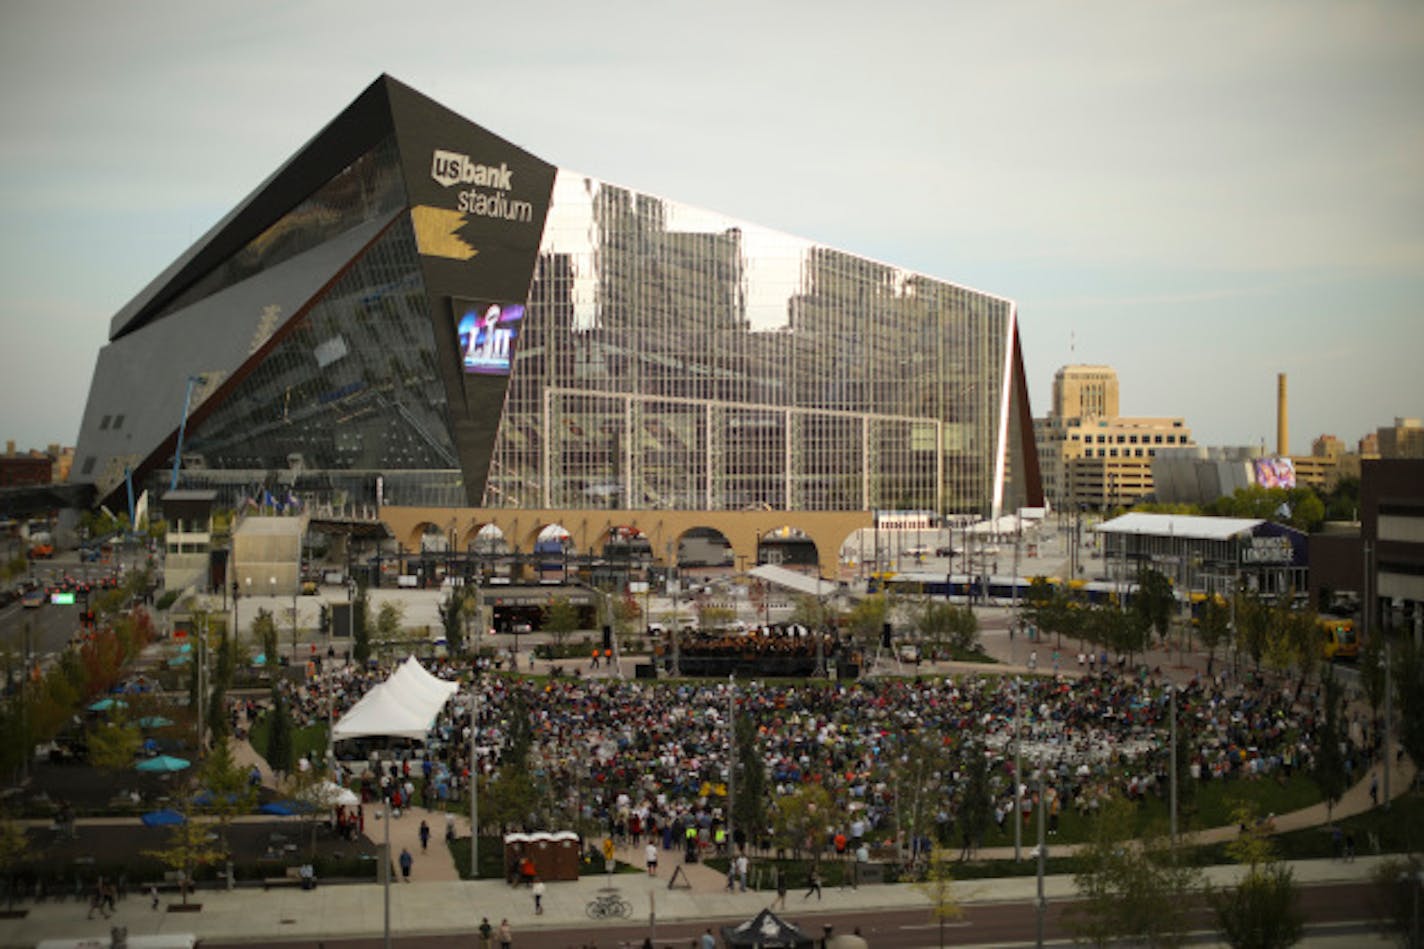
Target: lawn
{"x":309,"y":741}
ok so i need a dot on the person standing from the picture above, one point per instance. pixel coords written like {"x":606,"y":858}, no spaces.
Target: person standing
{"x":424,"y":836}
{"x":780,"y":889}
{"x":650,"y":854}
{"x":538,"y":890}
{"x":708,"y":940}
{"x":486,"y":933}
{"x":741,"y":864}
{"x":406,"y":861}
{"x":506,"y":935}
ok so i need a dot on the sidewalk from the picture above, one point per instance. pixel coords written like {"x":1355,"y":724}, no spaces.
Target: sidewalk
{"x":253,"y":916}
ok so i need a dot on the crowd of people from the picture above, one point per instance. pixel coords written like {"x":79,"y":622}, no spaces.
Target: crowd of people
{"x":648,"y":761}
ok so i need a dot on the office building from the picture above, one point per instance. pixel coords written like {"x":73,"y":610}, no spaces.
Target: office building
{"x":1091,"y":456}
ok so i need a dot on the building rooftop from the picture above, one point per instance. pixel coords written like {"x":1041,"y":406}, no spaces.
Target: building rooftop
{"x":1193,"y":527}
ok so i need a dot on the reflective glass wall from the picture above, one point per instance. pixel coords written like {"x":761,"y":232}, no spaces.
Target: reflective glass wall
{"x":675,"y":358}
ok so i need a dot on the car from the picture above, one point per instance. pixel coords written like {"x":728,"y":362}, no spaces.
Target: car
{"x":33,"y":599}
{"x":8,"y":596}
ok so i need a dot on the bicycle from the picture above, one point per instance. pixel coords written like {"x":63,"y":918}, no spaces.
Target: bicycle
{"x":609,"y":906}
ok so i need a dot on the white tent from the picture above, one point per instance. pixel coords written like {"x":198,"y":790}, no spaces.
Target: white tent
{"x":403,"y":706}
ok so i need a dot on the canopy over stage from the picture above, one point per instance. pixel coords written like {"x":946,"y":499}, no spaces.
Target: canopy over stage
{"x":403,"y":706}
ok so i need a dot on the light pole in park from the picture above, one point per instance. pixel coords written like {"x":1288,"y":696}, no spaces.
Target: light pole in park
{"x":475,"y":778}
{"x":386,"y":871}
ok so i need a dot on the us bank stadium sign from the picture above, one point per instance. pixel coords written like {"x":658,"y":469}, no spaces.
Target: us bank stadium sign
{"x":1267,"y":550}
{"x":490,"y":187}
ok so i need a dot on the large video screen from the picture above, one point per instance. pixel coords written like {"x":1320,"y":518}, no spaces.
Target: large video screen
{"x":1275,"y":472}
{"x":488,"y":332}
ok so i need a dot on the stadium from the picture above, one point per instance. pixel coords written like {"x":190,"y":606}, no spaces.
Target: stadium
{"x":414,"y":315}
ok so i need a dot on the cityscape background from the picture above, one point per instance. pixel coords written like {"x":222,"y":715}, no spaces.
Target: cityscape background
{"x":1200,"y":195}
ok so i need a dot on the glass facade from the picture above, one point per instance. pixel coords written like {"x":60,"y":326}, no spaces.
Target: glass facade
{"x":352,"y":389}
{"x":664,"y":357}
{"x":675,"y":358}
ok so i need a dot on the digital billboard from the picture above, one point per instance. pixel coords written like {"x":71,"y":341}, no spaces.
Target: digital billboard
{"x":488,"y":333}
{"x":1275,"y":472}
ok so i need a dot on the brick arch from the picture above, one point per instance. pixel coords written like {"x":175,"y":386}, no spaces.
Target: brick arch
{"x":827,"y":529}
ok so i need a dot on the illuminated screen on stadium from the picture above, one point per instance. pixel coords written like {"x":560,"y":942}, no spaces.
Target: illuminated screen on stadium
{"x":488,"y":332}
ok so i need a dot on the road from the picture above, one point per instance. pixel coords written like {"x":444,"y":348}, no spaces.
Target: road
{"x":1331,"y":910}
{"x":50,"y":626}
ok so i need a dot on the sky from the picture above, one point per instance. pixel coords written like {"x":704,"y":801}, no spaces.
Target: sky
{"x":1200,"y":194}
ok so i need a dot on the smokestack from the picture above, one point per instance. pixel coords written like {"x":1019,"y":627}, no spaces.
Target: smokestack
{"x":1282,"y":422}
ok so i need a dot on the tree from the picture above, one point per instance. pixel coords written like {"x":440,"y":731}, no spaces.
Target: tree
{"x":1409,"y":686}
{"x":229,"y":792}
{"x":811,"y":611}
{"x":976,"y":805}
{"x":1253,"y":622}
{"x":1330,"y":772}
{"x":1130,"y":890}
{"x":361,"y":626}
{"x":389,"y":619}
{"x":715,"y":616}
{"x":453,"y":610}
{"x":1371,"y":666}
{"x":749,"y":789}
{"x":1263,"y":910}
{"x":938,"y":887}
{"x":940,"y":622}
{"x":1399,"y":896}
{"x":264,"y":628}
{"x":1214,"y":627}
{"x":279,"y":734}
{"x":113,"y":746}
{"x":560,"y":619}
{"x":868,"y":617}
{"x":1154,"y":601}
{"x":14,"y":852}
{"x":188,"y":849}
{"x":800,"y":820}
{"x":508,"y":799}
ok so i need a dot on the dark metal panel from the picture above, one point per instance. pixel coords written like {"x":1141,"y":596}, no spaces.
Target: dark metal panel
{"x":357,"y":129}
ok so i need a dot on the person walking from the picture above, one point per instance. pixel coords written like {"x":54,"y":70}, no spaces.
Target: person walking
{"x":486,"y":933}
{"x":406,"y":862}
{"x":780,"y":900}
{"x":538,"y":890}
{"x":506,"y":935}
{"x":814,"y":884}
{"x":708,"y":940}
{"x":424,"y":836}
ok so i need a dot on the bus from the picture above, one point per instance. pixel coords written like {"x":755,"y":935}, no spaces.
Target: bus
{"x":1337,"y":638}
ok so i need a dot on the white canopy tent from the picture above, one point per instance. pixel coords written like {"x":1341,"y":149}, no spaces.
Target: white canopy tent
{"x":403,"y":706}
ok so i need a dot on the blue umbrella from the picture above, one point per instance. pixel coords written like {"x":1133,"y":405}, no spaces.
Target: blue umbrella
{"x":103,"y":705}
{"x":154,"y":721}
{"x":163,"y":764}
{"x":164,"y":818}
{"x":286,"y":808}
